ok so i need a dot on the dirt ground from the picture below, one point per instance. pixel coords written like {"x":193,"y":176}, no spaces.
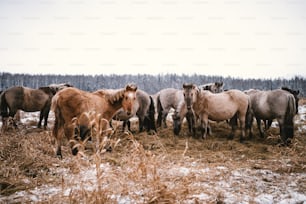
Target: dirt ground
{"x":154,"y":168}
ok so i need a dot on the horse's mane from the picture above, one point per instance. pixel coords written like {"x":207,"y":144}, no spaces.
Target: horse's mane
{"x":115,"y":95}
{"x":47,"y":90}
{"x":294,"y":92}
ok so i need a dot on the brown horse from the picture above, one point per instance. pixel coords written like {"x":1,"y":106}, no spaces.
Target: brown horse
{"x":26,"y":99}
{"x":72,"y":102}
{"x":231,"y":104}
{"x":266,"y":107}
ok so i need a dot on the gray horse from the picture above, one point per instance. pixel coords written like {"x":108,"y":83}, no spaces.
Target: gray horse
{"x":275,"y":104}
{"x":173,"y":98}
{"x":144,"y":109}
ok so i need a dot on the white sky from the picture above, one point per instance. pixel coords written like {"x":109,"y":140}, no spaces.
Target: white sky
{"x":238,"y":38}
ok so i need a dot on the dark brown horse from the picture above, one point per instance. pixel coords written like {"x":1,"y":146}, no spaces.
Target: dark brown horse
{"x":26,"y":99}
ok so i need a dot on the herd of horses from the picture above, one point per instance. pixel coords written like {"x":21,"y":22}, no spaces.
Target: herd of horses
{"x":79,"y":113}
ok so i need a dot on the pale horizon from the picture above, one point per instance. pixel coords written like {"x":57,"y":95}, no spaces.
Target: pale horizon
{"x":259,"y":39}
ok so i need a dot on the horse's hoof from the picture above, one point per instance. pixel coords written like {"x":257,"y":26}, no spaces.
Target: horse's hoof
{"x":231,"y":137}
{"x":59,"y":156}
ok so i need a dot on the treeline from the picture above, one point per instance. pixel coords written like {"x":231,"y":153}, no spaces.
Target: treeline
{"x":148,"y":83}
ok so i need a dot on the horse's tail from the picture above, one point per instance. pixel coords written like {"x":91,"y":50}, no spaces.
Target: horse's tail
{"x":59,"y":120}
{"x":3,"y":105}
{"x":249,"y":115}
{"x":249,"y":118}
{"x":152,"y":115}
{"x":159,"y":111}
{"x":288,"y":127}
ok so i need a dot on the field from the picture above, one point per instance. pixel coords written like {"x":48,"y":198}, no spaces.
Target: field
{"x":154,"y":168}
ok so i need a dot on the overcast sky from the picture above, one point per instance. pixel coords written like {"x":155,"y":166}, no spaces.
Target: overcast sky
{"x":243,"y":38}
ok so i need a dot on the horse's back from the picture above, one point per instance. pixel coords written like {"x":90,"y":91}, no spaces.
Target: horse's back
{"x":75,"y":101}
{"x":270,"y":104}
{"x":168,"y":97}
{"x":224,"y":105}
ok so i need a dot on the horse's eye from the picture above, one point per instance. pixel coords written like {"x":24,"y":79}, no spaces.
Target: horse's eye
{"x":184,"y":95}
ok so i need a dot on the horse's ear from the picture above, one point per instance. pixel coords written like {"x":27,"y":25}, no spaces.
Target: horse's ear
{"x":74,"y":121}
{"x":186,"y":86}
{"x":131,"y":87}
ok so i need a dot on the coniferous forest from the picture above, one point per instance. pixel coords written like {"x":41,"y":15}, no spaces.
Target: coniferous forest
{"x":148,"y":83}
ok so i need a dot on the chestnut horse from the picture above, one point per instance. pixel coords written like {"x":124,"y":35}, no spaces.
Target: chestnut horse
{"x":231,"y":104}
{"x":72,"y":102}
{"x":27,"y":99}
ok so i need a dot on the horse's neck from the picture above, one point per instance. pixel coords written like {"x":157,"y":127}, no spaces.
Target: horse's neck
{"x":114,"y":104}
{"x":112,"y":109}
{"x":201,"y":99}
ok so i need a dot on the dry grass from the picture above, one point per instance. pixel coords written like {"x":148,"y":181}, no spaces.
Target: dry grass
{"x":142,"y":168}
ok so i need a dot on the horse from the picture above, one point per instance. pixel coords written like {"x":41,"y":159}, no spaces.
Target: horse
{"x":144,"y":109}
{"x":266,"y":107}
{"x":295,"y":93}
{"x":231,"y":104}
{"x":186,"y":111}
{"x":26,"y":99}
{"x":172,"y":98}
{"x":72,"y":102}
{"x":215,"y":87}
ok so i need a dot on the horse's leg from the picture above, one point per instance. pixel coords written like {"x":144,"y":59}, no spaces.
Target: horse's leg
{"x":123,"y":125}
{"x":242,"y":127}
{"x":204,"y":124}
{"x":12,"y":114}
{"x":249,"y":124}
{"x":140,"y":123}
{"x":190,"y":117}
{"x":58,"y":135}
{"x":128,"y":123}
{"x":260,"y":127}
{"x":46,"y":115}
{"x":267,"y":124}
{"x":282,"y":130}
{"x":233,"y":123}
{"x":41,"y":115}
{"x":159,"y":119}
{"x":69,"y":133}
{"x":164,"y":117}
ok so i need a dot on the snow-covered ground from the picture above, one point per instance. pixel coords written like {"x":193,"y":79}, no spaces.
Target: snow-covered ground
{"x":240,"y":185}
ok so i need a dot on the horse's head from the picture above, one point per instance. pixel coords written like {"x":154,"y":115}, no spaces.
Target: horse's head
{"x":218,"y":87}
{"x":190,"y":94}
{"x":129,"y":98}
{"x":295,"y":93}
